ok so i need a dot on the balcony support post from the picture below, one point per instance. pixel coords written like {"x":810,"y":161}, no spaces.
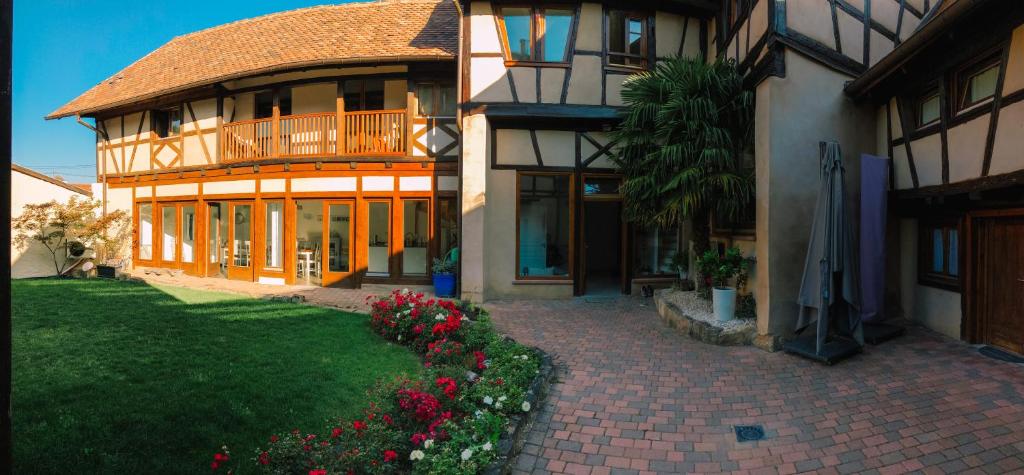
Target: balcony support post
{"x":275,"y":125}
{"x":220,"y":129}
{"x":411,"y":104}
{"x":339,"y":138}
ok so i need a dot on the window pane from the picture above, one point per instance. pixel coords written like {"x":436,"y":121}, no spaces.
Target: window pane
{"x":188,"y":233}
{"x":601,"y":186}
{"x":983,"y":84}
{"x":145,"y":232}
{"x":517,"y":30}
{"x":954,"y":254}
{"x":353,"y":92}
{"x":309,"y":243}
{"x":655,"y":249}
{"x":544,"y":225}
{"x":938,"y":251}
{"x":635,"y":36}
{"x":170,"y":223}
{"x":380,"y":215}
{"x":447,"y":225}
{"x":425,"y":98}
{"x":274,"y":235}
{"x":416,"y":222}
{"x":242,"y":243}
{"x":448,"y":102}
{"x":557,"y":24}
{"x":264,"y":104}
{"x":929,"y":110}
{"x":374,"y":95}
{"x":616,"y":31}
{"x":160,"y":121}
{"x":175,"y":118}
{"x":338,"y":252}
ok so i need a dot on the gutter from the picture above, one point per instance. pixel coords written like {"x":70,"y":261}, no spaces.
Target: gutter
{"x":862,"y":86}
{"x":103,"y":161}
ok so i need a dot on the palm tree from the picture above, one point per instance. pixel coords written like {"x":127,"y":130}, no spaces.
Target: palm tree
{"x":681,"y":142}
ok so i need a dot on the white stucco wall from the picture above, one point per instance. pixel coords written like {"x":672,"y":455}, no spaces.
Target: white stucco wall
{"x":34,"y":260}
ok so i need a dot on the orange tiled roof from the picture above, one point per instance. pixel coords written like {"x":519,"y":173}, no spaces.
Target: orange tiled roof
{"x":385,"y":30}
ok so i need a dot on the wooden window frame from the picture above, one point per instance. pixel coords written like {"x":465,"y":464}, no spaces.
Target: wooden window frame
{"x":435,"y":91}
{"x":925,"y":275}
{"x":571,"y":258}
{"x":919,"y":101}
{"x":537,"y":29}
{"x":962,"y":77}
{"x":167,"y":112}
{"x":644,"y":56}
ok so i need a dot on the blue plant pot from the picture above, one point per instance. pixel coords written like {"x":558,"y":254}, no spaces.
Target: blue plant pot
{"x":444,"y":285}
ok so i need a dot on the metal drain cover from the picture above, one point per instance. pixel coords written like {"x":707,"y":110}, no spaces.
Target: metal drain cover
{"x":749,"y":433}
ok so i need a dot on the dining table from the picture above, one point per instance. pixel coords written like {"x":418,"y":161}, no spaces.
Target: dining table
{"x":306,"y":256}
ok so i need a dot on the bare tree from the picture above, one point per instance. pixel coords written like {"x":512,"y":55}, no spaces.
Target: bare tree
{"x":62,"y":226}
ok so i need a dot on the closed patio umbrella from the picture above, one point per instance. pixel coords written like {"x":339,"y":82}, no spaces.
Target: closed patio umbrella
{"x":830,"y":288}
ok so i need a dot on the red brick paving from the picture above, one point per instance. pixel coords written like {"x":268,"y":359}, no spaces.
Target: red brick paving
{"x":633,"y":396}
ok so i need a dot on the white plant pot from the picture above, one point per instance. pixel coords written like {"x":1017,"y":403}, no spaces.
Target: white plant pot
{"x":683,"y":275}
{"x":723,"y":299}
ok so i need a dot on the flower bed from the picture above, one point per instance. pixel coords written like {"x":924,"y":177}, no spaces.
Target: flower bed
{"x":457,"y":419}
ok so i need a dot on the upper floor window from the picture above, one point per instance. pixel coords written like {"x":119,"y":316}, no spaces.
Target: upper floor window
{"x":435,"y":99}
{"x":536,"y":34}
{"x":976,"y":83}
{"x":364,"y":95}
{"x":167,"y":122}
{"x":627,"y":38}
{"x":264,"y":106}
{"x":927,"y":108}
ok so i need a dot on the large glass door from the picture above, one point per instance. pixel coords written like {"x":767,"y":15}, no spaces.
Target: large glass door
{"x":379,"y":242}
{"x":216,"y":240}
{"x":339,"y":232}
{"x":239,"y":261}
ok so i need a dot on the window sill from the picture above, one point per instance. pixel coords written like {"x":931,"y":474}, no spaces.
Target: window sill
{"x":939,"y":283}
{"x":976,"y":105}
{"x":542,"y":282}
{"x":625,"y":69}
{"x":537,"y":64}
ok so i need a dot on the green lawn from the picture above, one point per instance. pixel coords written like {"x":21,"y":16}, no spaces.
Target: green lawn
{"x":120,"y":377}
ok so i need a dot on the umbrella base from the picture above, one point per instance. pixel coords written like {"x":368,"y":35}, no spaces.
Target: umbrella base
{"x":833,"y":351}
{"x":877,"y":333}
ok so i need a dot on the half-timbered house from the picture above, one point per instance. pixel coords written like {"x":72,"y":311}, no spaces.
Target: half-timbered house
{"x":345,"y":144}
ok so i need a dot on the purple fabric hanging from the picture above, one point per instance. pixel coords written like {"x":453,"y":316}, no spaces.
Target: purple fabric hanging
{"x":874,"y":188}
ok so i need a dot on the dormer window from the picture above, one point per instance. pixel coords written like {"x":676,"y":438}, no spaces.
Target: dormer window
{"x":167,"y":122}
{"x":536,"y":34}
{"x":627,"y":39}
{"x":976,"y":83}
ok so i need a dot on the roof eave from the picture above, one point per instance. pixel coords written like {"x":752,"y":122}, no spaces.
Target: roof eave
{"x":60,"y":113}
{"x":866,"y":83}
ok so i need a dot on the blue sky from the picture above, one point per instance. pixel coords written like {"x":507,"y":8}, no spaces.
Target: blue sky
{"x":64,"y":47}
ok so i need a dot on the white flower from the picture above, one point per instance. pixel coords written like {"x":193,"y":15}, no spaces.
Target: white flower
{"x":405,"y":291}
{"x":428,"y":443}
{"x":488,"y":400}
{"x":497,"y":405}
{"x":478,"y":413}
{"x":503,"y":398}
{"x":465,"y":318}
{"x":488,"y":446}
{"x":399,"y":337}
{"x":416,"y":455}
{"x":439,"y":317}
{"x":466,"y":454}
{"x":526,"y":406}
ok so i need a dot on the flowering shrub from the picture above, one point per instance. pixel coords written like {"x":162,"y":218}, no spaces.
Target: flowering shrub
{"x":447,"y":422}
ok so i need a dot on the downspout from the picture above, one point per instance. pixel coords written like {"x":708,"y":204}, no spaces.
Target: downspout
{"x":103,"y":160}
{"x":462,"y":141}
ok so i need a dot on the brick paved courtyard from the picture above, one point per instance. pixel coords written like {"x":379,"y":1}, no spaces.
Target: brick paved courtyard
{"x":635,"y":397}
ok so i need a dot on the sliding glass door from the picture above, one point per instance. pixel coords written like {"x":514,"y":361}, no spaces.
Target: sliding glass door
{"x":379,"y":242}
{"x":239,"y":262}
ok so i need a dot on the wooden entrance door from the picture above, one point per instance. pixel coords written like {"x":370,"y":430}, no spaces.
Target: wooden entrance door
{"x":177,"y":236}
{"x":240,"y":243}
{"x":216,"y":240}
{"x":339,"y":233}
{"x":1000,"y":254}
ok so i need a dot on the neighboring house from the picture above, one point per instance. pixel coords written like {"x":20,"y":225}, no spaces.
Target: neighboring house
{"x":31,"y":187}
{"x":351,"y":144}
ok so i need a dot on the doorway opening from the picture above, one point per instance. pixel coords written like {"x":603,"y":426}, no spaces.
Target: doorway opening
{"x":602,"y":247}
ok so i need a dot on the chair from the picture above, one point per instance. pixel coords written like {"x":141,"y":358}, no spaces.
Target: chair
{"x":315,"y":266}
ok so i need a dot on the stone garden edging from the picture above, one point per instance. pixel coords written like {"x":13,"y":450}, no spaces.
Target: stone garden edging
{"x":701,"y":330}
{"x":514,"y":436}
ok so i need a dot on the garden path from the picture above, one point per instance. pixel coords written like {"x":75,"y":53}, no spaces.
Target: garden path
{"x":633,"y":396}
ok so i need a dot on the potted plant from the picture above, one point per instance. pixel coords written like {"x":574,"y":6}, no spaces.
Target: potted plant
{"x":720,"y":270}
{"x":681,"y":263}
{"x":444,"y":274}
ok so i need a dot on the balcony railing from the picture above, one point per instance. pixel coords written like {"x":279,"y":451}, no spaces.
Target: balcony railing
{"x":365,"y":133}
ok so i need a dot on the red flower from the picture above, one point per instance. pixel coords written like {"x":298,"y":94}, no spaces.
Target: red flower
{"x":423,"y":406}
{"x":273,"y":438}
{"x":307,"y":448}
{"x":264,"y":458}
{"x":358,"y":425}
{"x":336,"y":432}
{"x":499,"y":381}
{"x":418,"y":329}
{"x":218,"y":459}
{"x":318,"y":471}
{"x":481,"y":359}
{"x":390,"y":455}
{"x":388,"y":420}
{"x":417,"y":438}
{"x":448,"y":386}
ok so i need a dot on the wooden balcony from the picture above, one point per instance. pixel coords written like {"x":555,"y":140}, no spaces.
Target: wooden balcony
{"x":362,"y":133}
